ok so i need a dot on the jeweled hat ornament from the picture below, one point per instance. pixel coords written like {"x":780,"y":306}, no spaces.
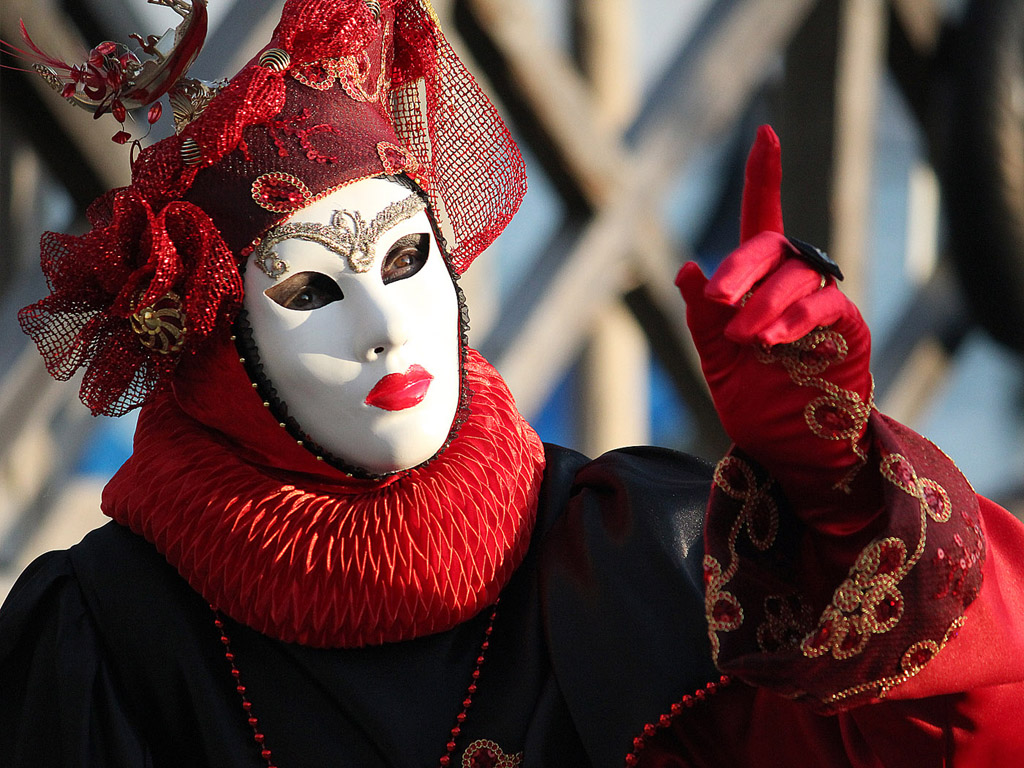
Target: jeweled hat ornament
{"x":345,"y":90}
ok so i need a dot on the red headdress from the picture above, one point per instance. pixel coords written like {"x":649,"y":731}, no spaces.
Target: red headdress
{"x":346,"y":89}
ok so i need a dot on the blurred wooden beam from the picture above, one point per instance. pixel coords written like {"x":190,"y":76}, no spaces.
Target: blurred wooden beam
{"x":918,"y":50}
{"x":862,"y":34}
{"x":920,"y":377}
{"x":922,"y":22}
{"x":707,"y":93}
{"x":658,"y":307}
{"x":936,"y":311}
{"x":608,"y":59}
{"x":833,"y":71}
{"x":615,"y":380}
{"x":547,"y":96}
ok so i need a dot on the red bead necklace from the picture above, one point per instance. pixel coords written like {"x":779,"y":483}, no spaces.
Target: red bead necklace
{"x":687,"y":702}
{"x":260,"y":739}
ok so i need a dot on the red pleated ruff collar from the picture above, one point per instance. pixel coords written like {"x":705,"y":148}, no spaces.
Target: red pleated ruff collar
{"x":303,"y":553}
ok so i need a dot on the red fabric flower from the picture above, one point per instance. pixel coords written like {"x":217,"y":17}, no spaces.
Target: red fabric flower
{"x":132,"y":257}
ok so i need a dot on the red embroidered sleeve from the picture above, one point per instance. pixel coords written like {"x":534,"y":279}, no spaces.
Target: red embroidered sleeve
{"x":779,"y":616}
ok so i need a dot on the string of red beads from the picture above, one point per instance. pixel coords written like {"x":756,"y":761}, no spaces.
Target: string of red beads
{"x":254,"y":723}
{"x":688,"y":701}
{"x":460,"y":719}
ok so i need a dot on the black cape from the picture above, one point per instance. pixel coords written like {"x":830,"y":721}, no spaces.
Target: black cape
{"x":108,"y":658}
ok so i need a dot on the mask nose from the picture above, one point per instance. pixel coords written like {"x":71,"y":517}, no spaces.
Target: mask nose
{"x":390,"y":333}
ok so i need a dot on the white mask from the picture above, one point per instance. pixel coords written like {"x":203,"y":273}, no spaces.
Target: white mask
{"x":356,"y":321}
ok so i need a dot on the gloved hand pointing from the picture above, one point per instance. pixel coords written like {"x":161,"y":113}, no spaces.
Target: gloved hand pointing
{"x":784,"y":352}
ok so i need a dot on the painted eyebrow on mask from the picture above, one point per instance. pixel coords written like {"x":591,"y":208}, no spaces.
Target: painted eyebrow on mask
{"x":348,"y":235}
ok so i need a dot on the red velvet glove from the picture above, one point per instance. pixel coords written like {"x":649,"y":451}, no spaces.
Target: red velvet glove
{"x":784,"y":352}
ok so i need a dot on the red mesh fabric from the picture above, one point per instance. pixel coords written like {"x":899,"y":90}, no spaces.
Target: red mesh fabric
{"x":131,"y":258}
{"x":359,"y":98}
{"x":305,"y":554}
{"x":476,"y":174}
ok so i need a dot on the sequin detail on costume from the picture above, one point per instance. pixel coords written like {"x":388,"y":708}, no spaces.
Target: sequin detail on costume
{"x":396,"y":159}
{"x":869,"y":601}
{"x":294,"y":126}
{"x":281,"y":192}
{"x":348,"y":234}
{"x":912,"y":662}
{"x":759,"y":515}
{"x":350,"y":72}
{"x":899,"y":602}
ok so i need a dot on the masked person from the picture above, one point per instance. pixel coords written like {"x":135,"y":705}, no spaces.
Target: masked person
{"x":338,"y":543}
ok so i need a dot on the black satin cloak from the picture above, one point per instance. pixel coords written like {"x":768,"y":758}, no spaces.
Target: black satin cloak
{"x":108,"y":658}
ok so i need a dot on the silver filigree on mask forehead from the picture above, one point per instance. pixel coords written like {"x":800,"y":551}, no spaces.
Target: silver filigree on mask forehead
{"x":348,"y":235}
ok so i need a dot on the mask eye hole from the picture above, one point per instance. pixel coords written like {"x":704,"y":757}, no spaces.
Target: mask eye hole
{"x":305,"y":291}
{"x":406,"y":257}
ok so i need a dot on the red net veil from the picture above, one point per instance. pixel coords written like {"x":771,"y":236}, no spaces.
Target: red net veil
{"x":345,"y":90}
{"x":477,"y":177}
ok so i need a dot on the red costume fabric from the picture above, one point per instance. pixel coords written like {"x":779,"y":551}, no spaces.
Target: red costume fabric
{"x":877,"y":665}
{"x":302,"y":552}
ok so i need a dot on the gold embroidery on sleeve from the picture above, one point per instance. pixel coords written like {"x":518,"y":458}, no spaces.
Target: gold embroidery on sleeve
{"x":868,"y":603}
{"x":759,"y":515}
{"x":839,"y":414}
{"x":912,"y":662}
